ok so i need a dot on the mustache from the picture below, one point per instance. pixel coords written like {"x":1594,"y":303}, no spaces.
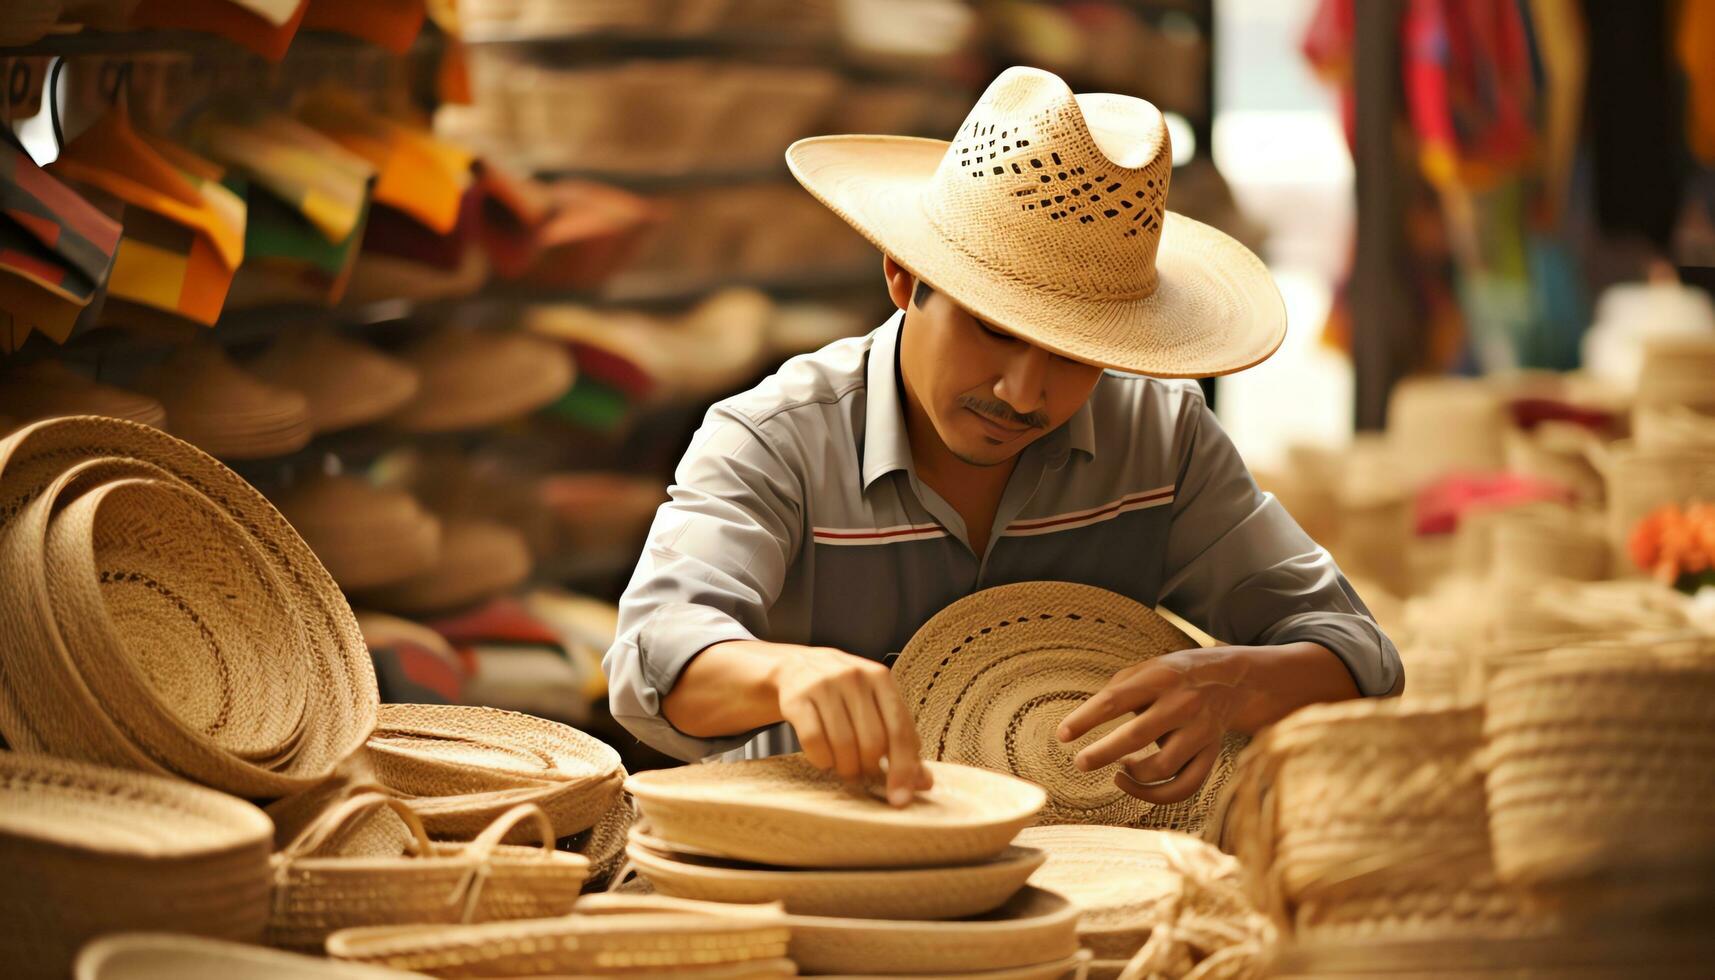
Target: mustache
{"x":1002,"y":412}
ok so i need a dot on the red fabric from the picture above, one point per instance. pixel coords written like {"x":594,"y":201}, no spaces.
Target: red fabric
{"x":1441,"y":504}
{"x":1528,"y":413}
{"x":503,"y":620}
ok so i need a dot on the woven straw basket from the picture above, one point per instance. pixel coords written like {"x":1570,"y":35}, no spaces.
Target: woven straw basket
{"x":1601,"y":762}
{"x":633,"y":938}
{"x":990,"y":678}
{"x":316,"y":894}
{"x":784,"y":811}
{"x":1366,"y":818}
{"x":163,"y":956}
{"x":1033,"y":928}
{"x":898,"y":893}
{"x":89,"y":850}
{"x":277,"y":647}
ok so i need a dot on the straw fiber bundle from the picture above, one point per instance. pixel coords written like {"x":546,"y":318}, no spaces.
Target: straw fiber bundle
{"x":1032,"y":928}
{"x":859,"y":893}
{"x":89,"y":850}
{"x":595,"y":940}
{"x":164,"y":956}
{"x":478,"y":560}
{"x":990,"y":678}
{"x":316,"y":894}
{"x":112,"y":589}
{"x":784,"y":811}
{"x":226,"y":411}
{"x":345,"y":383}
{"x":476,"y":378}
{"x":49,"y":388}
{"x":1367,"y":819}
{"x":367,"y":536}
{"x":1602,"y":762}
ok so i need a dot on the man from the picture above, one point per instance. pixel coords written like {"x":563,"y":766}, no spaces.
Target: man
{"x":986,"y":435}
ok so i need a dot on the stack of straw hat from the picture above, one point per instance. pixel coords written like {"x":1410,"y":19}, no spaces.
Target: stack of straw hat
{"x":1153,"y":902}
{"x":223,"y":409}
{"x":1540,"y":541}
{"x":935,"y":887}
{"x":89,"y":850}
{"x":169,"y":956}
{"x":317,"y":893}
{"x":1679,"y":371}
{"x":162,"y":616}
{"x":344,"y":383}
{"x":367,"y":536}
{"x":477,"y":560}
{"x":477,"y":378}
{"x":990,"y":678}
{"x":49,"y":388}
{"x":1444,"y":425}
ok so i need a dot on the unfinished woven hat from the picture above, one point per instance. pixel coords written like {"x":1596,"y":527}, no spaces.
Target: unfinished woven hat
{"x":317,"y":893}
{"x":49,"y":388}
{"x":1047,"y":217}
{"x":478,"y":560}
{"x":49,"y":464}
{"x":90,"y":850}
{"x":1033,"y":927}
{"x":475,"y":378}
{"x":890,"y":893}
{"x":990,"y":678}
{"x":367,"y":536}
{"x":345,"y":382}
{"x":784,"y":811}
{"x":167,"y":956}
{"x":223,"y":409}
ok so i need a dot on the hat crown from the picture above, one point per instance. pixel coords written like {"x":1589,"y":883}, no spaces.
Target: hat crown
{"x":1063,"y":192}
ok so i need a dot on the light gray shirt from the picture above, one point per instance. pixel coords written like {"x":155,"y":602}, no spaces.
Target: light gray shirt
{"x":796,"y":516}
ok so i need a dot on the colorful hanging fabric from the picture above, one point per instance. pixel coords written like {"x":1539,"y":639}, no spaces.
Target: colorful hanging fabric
{"x":266,"y":27}
{"x":422,"y":176}
{"x":392,"y":24}
{"x":1471,"y":88}
{"x":1694,"y":41}
{"x":56,"y":250}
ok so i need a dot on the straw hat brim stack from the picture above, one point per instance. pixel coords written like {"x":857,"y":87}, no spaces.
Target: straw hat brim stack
{"x":367,"y":536}
{"x":226,"y":411}
{"x":1116,"y":876}
{"x":472,"y":379}
{"x":785,"y":812}
{"x":49,"y":388}
{"x":1032,"y":928}
{"x":478,"y":560}
{"x":90,"y":850}
{"x":989,"y":679}
{"x":283,"y":731}
{"x":166,"y":956}
{"x":344,"y":383}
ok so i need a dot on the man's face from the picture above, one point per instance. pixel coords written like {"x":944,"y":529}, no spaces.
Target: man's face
{"x":987,"y":393}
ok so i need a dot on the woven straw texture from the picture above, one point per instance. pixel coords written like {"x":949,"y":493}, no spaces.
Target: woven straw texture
{"x":344,"y":382}
{"x":629,"y":939}
{"x":1613,"y":955}
{"x":784,"y":811}
{"x":1033,"y":927}
{"x":1071,"y":966}
{"x":900,"y":893}
{"x":367,"y":536}
{"x":161,"y":956}
{"x":89,"y":850}
{"x":1154,"y":903}
{"x":478,"y":560}
{"x":1545,"y":541}
{"x":316,"y":894}
{"x":1676,"y":372}
{"x":472,"y":379}
{"x":1673,"y":428}
{"x":254,"y":741}
{"x":461,"y":767}
{"x":604,"y":844}
{"x":1601,"y":762}
{"x":224,"y":410}
{"x":1060,"y":232}
{"x":1366,"y":819}
{"x":990,"y":678}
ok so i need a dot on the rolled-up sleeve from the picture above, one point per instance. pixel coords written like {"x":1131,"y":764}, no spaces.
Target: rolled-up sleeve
{"x":1240,"y":567}
{"x":714,"y":564}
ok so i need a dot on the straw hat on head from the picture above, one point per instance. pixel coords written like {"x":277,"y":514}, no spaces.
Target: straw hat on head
{"x":1047,"y":217}
{"x":989,"y":679}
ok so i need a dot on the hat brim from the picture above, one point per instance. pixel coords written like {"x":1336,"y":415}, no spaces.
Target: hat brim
{"x":1215,"y":309}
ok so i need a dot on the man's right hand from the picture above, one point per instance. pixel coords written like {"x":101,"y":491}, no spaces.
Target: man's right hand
{"x":849,"y":716}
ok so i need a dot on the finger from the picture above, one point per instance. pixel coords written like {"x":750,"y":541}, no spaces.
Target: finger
{"x":1170,"y":711}
{"x":1177,"y":749}
{"x":812,"y":736}
{"x":842,"y":741}
{"x":867,"y":730}
{"x":1130,"y":690}
{"x":905,"y":769}
{"x":1180,"y":787}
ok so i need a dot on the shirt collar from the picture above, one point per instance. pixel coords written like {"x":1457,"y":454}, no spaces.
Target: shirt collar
{"x":886,"y":445}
